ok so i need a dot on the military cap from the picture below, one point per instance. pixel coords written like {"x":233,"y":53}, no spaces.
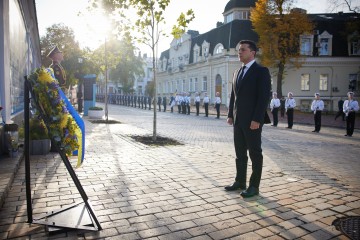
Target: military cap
{"x":53,"y":51}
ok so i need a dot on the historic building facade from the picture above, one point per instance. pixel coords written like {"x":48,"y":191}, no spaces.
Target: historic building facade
{"x":205,"y":62}
{"x":19,"y":55}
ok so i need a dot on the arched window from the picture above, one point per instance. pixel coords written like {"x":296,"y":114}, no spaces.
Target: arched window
{"x":218,"y":49}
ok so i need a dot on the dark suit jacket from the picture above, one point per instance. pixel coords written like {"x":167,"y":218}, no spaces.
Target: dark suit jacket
{"x":249,"y":102}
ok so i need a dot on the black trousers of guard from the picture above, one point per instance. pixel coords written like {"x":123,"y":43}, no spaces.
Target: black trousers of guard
{"x":350,"y":123}
{"x":206,"y":105}
{"x":274,"y":113}
{"x":179,"y":108}
{"x":246,"y":139}
{"x":197,"y":105}
{"x":183,"y":108}
{"x":317,"y":120}
{"x":188,"y":108}
{"x":217,"y":106}
{"x":290,"y":117}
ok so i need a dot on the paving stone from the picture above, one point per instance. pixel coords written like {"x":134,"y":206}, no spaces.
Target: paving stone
{"x":177,"y":192}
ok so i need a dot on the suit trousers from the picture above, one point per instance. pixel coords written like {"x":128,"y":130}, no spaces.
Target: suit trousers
{"x":247,"y":139}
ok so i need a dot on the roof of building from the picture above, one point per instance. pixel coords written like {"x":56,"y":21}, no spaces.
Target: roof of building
{"x":239,"y":4}
{"x":229,"y":35}
{"x":336,"y":25}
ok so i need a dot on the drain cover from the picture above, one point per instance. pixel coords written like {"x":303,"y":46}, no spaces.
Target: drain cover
{"x":349,"y":226}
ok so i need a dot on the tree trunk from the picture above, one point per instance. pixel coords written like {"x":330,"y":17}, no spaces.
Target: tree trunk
{"x":281,"y":68}
{"x":155,"y":94}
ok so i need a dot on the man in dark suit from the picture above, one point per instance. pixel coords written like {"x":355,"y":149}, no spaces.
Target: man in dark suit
{"x":248,"y":102}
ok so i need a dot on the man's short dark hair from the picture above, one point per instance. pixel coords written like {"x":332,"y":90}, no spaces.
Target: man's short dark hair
{"x":252,"y":44}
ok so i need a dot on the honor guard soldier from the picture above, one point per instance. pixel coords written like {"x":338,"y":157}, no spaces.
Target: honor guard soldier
{"x":164,"y":103}
{"x":178,"y":102}
{"x":188,"y":102}
{"x":183,"y":103}
{"x":56,"y":56}
{"x":142,"y":99}
{"x":172,"y":103}
{"x":159,"y":103}
{"x":317,"y":106}
{"x":217,"y":104}
{"x":206,"y":101}
{"x":197,"y":103}
{"x":350,"y":107}
{"x":145,"y":101}
{"x":274,"y":107}
{"x":290,"y":104}
{"x":149,"y":99}
{"x":139,"y":100}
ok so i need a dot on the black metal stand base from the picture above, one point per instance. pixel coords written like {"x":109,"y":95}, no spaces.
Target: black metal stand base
{"x":75,"y":216}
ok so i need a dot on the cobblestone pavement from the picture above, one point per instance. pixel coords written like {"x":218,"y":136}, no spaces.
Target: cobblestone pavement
{"x":176,"y":192}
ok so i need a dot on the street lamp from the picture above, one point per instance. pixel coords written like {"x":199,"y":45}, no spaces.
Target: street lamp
{"x":79,"y":93}
{"x":106,"y":84}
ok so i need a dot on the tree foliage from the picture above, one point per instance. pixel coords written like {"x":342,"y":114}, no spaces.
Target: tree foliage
{"x":64,"y":38}
{"x":279,"y":29}
{"x":147,"y":25}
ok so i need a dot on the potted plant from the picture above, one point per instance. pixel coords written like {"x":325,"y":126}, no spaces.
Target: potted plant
{"x":96,"y":112}
{"x":39,"y":139}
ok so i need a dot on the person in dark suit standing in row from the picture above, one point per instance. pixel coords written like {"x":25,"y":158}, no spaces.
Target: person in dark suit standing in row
{"x":249,"y":99}
{"x":340,"y":111}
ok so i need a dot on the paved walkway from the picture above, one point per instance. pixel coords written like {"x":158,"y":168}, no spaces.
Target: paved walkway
{"x":176,"y":192}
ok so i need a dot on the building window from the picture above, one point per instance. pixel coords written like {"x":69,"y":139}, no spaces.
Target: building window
{"x":324,"y":44}
{"x":204,"y":84}
{"x":172,"y":86}
{"x":196,"y":52}
{"x":196,"y":85}
{"x":191,"y":87}
{"x":324,"y":47}
{"x":305,"y":82}
{"x":323,"y":82}
{"x":245,"y":15}
{"x":168,"y":87}
{"x":218,"y":49}
{"x":229,"y":18}
{"x":178,"y":85}
{"x":353,"y":82}
{"x":305,"y":46}
{"x":183,"y":85}
{"x":354,"y":43}
{"x":355,"y":47}
{"x":159,"y":87}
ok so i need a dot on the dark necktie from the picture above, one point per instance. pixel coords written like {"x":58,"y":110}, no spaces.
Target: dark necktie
{"x":240,"y":77}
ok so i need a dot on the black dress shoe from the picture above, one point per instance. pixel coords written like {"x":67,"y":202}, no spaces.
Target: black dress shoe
{"x":235,"y":186}
{"x":250,"y":192}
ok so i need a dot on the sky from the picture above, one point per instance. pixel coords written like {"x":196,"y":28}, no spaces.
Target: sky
{"x":89,"y":28}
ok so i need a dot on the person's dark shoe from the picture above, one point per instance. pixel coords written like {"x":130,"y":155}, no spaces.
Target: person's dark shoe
{"x":235,"y":186}
{"x":289,"y":127}
{"x":314,"y":131}
{"x":250,"y":192}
